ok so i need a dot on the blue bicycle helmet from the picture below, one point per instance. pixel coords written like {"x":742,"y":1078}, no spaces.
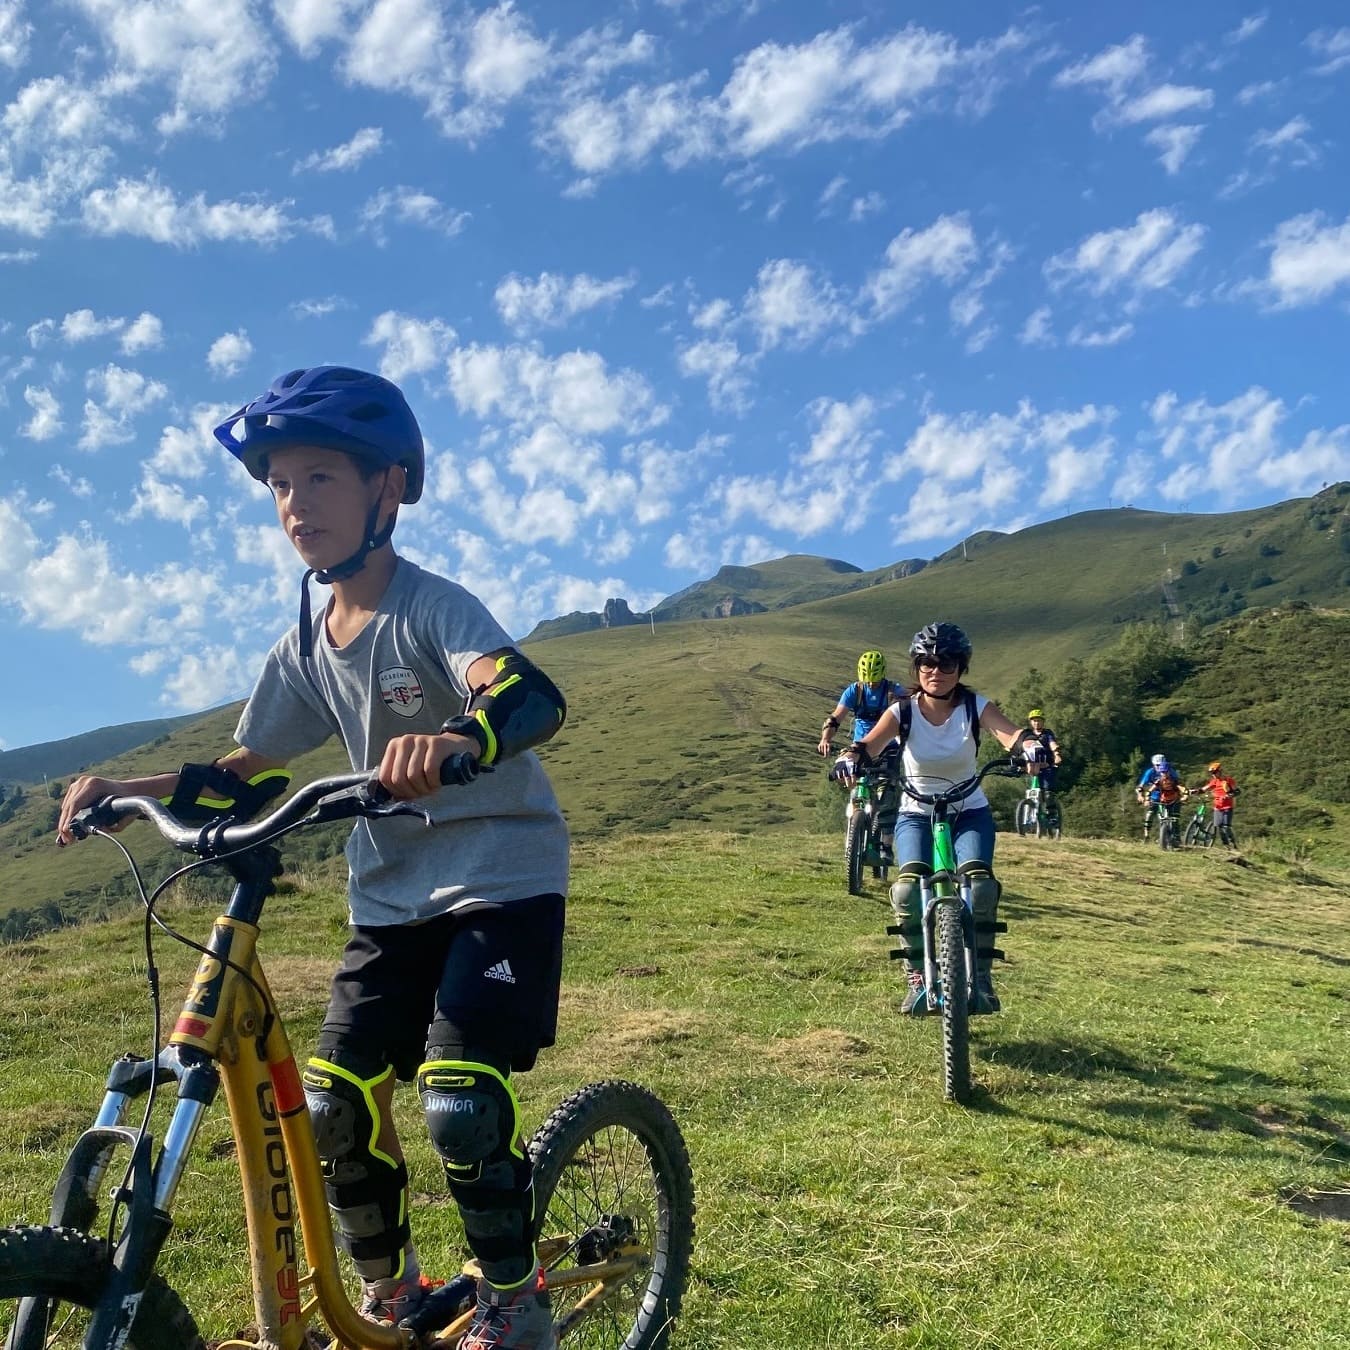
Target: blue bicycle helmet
{"x":335,"y":408}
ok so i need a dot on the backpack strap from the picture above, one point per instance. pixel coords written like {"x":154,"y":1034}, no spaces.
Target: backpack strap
{"x":973,"y":716}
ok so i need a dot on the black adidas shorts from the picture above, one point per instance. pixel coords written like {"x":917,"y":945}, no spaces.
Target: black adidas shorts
{"x":484,"y":979}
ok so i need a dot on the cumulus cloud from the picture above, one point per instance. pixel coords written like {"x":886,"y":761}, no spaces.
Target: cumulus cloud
{"x":144,"y":333}
{"x":1174,"y":145}
{"x":550,"y":300}
{"x":366,"y":142}
{"x":46,"y":419}
{"x":1164,"y":101}
{"x":1113,"y":69}
{"x":727,"y":370}
{"x":14,"y":34}
{"x":1333,"y":47}
{"x":210,"y":56}
{"x":944,"y":251}
{"x":998,"y":455}
{"x":1146,"y":256}
{"x":783,"y":97}
{"x":412,"y":346}
{"x":148,"y":209}
{"x":229,"y":353}
{"x":1309,"y":260}
{"x":577,"y":390}
{"x":409,"y":206}
{"x":790,"y":305}
{"x":118,"y":396}
{"x":1230,"y":445}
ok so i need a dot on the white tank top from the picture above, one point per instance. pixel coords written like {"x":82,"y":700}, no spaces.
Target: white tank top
{"x":937,"y":757}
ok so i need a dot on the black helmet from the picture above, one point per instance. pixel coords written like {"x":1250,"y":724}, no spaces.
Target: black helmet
{"x":942,"y":639}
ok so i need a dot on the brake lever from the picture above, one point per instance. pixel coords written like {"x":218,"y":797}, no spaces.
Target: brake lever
{"x":96,"y":817}
{"x":361,"y":803}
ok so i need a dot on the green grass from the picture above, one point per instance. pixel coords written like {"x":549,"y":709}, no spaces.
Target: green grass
{"x":1168,"y":1067}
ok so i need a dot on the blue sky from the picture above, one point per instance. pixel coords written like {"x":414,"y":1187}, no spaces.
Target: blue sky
{"x":669,"y":283}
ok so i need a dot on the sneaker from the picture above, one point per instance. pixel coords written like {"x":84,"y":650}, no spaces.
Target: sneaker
{"x":512,"y":1319}
{"x":916,"y":999}
{"x":390,"y":1308}
{"x":886,"y":855}
{"x":986,"y":1000}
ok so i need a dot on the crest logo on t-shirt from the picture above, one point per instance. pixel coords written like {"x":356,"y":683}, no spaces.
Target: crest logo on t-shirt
{"x":401,"y":690}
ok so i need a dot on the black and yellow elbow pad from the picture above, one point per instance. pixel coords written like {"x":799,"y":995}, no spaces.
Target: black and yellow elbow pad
{"x":521,"y":708}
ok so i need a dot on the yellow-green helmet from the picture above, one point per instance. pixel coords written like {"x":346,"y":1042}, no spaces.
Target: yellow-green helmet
{"x":1035,"y":712}
{"x":871,"y":666}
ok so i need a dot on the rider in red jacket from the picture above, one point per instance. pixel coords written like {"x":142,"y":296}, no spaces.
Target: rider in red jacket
{"x":1222,"y":790}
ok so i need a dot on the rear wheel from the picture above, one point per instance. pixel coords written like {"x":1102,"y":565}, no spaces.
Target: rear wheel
{"x":855,"y":845}
{"x":51,"y":1277}
{"x":951,"y":947}
{"x":613,"y":1183}
{"x":1194,"y":834}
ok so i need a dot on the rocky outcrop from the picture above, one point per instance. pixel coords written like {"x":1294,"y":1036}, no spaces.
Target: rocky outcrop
{"x":616,"y":614}
{"x":733,"y":606}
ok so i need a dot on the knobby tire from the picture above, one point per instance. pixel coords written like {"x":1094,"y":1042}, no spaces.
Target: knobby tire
{"x":855,"y":845}
{"x":951,"y":951}
{"x":613,"y":1149}
{"x":70,"y":1268}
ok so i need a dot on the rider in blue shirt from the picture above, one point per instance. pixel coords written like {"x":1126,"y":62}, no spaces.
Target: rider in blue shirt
{"x":1159,"y":789}
{"x":865,"y":700}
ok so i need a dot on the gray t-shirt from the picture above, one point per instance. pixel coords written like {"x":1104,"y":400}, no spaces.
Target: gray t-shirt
{"x":501,"y":838}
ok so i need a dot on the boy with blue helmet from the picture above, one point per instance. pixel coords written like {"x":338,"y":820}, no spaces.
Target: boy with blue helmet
{"x":865,"y":700}
{"x":1159,"y":790}
{"x":452,"y":966}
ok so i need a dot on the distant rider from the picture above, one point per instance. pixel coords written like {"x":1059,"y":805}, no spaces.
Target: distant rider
{"x":865,"y":701}
{"x":1160,"y":791}
{"x":1222,"y":790}
{"x":1050,"y":761}
{"x":940,"y":750}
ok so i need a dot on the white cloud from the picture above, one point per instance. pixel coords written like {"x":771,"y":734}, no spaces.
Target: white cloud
{"x":144,"y":333}
{"x":14,"y":34}
{"x":1291,"y":133}
{"x":550,"y":300}
{"x":410,"y":206}
{"x":79,"y":487}
{"x":1248,"y":28}
{"x":56,"y":109}
{"x":577,"y":389}
{"x":504,"y":56}
{"x":20,"y":255}
{"x":1309,"y":259}
{"x":80,"y":325}
{"x":1333,"y":46}
{"x":120,"y":395}
{"x":1081,"y":335}
{"x":1240,"y":442}
{"x":411,"y":346}
{"x":188,"y":451}
{"x":862,"y":207}
{"x":1112,"y":69}
{"x":790,"y":305}
{"x":212,"y":54}
{"x":1249,"y":93}
{"x":166,"y":501}
{"x":1174,"y":144}
{"x":1164,"y":101}
{"x":46,"y":419}
{"x":317,"y":308}
{"x":945,"y":251}
{"x":1145,"y":256}
{"x":844,"y":436}
{"x":208,"y":676}
{"x":311,"y":23}
{"x":1036,"y":331}
{"x":148,"y":209}
{"x":229,"y":353}
{"x":366,"y":142}
{"x":726,"y":368}
{"x":783,"y":98}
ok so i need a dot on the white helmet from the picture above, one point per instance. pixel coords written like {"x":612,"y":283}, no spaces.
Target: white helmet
{"x":1158,"y":761}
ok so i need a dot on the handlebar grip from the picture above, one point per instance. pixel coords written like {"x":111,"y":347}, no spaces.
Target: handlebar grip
{"x":458,"y":769}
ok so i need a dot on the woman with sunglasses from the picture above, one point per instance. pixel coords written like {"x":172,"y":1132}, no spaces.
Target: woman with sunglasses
{"x":940,"y":750}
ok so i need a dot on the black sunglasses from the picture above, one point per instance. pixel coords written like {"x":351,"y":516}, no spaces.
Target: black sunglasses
{"x":946,"y":664}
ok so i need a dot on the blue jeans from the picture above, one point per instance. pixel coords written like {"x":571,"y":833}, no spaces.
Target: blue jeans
{"x":972,"y":836}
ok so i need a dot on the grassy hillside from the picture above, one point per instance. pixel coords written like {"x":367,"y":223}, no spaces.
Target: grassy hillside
{"x":57,"y":759}
{"x":714,"y":722}
{"x":1163,"y":1112}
